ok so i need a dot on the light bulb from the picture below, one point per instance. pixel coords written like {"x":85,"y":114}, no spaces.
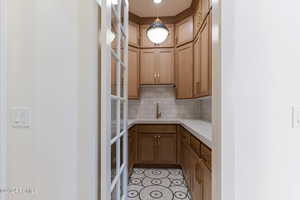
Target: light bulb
{"x":157,"y":1}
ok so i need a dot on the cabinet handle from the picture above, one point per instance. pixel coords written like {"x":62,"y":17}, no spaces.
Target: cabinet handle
{"x":158,"y":140}
{"x":154,"y":74}
{"x":158,"y":76}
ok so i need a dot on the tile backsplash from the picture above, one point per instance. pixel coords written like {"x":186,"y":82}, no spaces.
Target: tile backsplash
{"x":144,"y":108}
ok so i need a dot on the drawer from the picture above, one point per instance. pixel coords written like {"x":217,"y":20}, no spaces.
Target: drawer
{"x":185,"y":136}
{"x":157,"y":128}
{"x":195,"y":145}
{"x":206,"y":155}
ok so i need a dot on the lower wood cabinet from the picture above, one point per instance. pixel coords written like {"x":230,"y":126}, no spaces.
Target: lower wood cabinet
{"x":132,"y":148}
{"x":158,"y":145}
{"x":157,"y":148}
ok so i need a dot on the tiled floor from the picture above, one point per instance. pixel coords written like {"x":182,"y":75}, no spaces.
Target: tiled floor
{"x":157,"y":184}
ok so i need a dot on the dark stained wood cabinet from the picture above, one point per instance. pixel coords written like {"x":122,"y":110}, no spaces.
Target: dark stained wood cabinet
{"x":167,"y":148}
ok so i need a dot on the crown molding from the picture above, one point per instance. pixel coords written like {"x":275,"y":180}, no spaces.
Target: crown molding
{"x":167,"y":20}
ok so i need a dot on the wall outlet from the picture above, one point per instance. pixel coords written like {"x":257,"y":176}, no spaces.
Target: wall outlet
{"x":296,"y":117}
{"x":21,"y":117}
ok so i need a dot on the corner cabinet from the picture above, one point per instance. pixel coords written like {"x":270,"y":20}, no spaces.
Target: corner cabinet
{"x":184,"y":31}
{"x":134,"y":34}
{"x":202,"y":61}
{"x":146,"y":43}
{"x":157,"y":66}
{"x":133,"y":72}
{"x":184,"y":71}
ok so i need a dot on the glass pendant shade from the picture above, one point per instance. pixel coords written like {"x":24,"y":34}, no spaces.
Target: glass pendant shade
{"x":157,"y":32}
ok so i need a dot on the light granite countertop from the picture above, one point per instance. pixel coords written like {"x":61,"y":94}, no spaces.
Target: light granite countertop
{"x":200,"y":129}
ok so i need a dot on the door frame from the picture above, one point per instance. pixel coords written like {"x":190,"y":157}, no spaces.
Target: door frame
{"x":3,"y":94}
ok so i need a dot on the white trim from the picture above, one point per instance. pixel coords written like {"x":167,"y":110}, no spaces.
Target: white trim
{"x":3,"y":94}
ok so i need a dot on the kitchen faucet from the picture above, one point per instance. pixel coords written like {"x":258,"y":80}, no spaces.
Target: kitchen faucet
{"x":158,"y":114}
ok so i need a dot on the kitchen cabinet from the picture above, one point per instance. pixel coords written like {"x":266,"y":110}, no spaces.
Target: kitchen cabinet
{"x":184,"y":71}
{"x":134,"y":34}
{"x":157,"y":66}
{"x":157,"y":148}
{"x":147,"y":144}
{"x":202,"y":11}
{"x":196,"y":177}
{"x":184,"y":31}
{"x":148,"y":66}
{"x":157,"y":144}
{"x":202,"y":71}
{"x":204,"y":60}
{"x":146,"y":43}
{"x":133,"y":72}
{"x":132,"y":148}
{"x":207,"y":182}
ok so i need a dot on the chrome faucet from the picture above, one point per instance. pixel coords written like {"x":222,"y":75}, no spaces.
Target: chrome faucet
{"x":158,"y":114}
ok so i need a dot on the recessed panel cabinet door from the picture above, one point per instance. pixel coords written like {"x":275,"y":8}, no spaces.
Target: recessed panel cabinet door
{"x":197,"y":177}
{"x":166,"y":66}
{"x":167,"y":148}
{"x":133,"y":72}
{"x":207,"y":187}
{"x":147,"y":148}
{"x":204,"y":60}
{"x":197,"y":67}
{"x":184,"y":31}
{"x":148,"y":66}
{"x":133,"y":33}
{"x":184,"y":71}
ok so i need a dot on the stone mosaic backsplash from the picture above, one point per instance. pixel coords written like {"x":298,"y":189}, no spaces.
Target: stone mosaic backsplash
{"x":144,"y":108}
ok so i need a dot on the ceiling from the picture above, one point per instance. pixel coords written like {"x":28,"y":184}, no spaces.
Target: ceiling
{"x":146,"y":8}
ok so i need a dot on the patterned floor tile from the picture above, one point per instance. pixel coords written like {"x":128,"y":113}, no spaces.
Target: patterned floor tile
{"x":157,"y":184}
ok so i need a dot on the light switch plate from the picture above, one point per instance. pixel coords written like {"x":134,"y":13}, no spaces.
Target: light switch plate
{"x":296,"y":117}
{"x":21,"y":117}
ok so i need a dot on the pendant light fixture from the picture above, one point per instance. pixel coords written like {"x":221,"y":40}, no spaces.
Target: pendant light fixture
{"x":157,"y":32}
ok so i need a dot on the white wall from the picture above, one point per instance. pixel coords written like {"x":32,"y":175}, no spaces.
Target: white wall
{"x":260,"y":82}
{"x":52,"y":63}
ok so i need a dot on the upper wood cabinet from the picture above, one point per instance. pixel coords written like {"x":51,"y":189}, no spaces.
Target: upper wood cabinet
{"x":184,"y":31}
{"x":134,"y":34}
{"x":157,"y":66}
{"x":165,"y":67}
{"x":146,"y":43}
{"x":184,"y":71}
{"x":148,"y":66}
{"x":201,"y":13}
{"x":202,"y":61}
{"x":133,"y":72}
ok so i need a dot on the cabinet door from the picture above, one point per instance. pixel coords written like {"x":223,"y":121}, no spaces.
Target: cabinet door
{"x":131,"y":153}
{"x":205,"y":7}
{"x":148,"y":66}
{"x":146,"y":43}
{"x":187,"y":164}
{"x":133,"y":33}
{"x":196,"y":177}
{"x":207,"y":183}
{"x":184,"y":31}
{"x":167,"y":149}
{"x":133,"y":72}
{"x":147,"y":145}
{"x":204,"y":60}
{"x":165,"y":68}
{"x":184,"y":71}
{"x":197,"y":67}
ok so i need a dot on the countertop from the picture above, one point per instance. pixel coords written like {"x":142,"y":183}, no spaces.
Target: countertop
{"x":200,"y":129}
